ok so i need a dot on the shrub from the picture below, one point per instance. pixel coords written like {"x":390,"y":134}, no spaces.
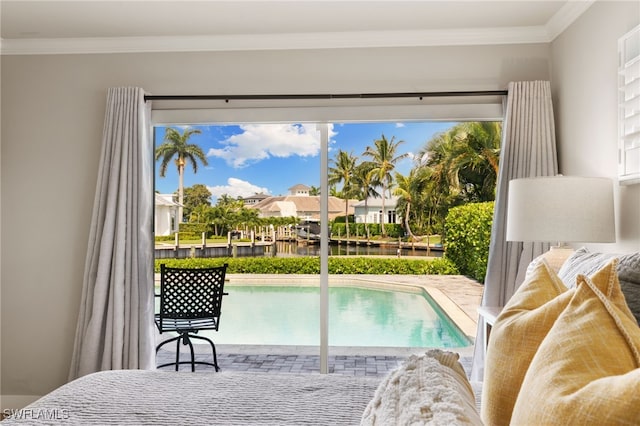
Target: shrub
{"x":393,"y":230}
{"x":467,"y":238}
{"x":311,"y":265}
{"x":194,"y":228}
{"x":184,"y":236}
{"x":342,"y":219}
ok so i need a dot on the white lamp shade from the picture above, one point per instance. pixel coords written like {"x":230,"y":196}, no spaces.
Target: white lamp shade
{"x":561,"y":209}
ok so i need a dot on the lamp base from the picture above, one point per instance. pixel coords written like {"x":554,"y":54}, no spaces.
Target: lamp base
{"x":557,"y":255}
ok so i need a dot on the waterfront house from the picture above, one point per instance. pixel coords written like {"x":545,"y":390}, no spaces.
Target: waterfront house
{"x":255,"y":198}
{"x":165,"y":215}
{"x":304,"y":207}
{"x":372,"y":212}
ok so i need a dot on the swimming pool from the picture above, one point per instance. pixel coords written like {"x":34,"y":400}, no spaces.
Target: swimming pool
{"x":358,"y":316}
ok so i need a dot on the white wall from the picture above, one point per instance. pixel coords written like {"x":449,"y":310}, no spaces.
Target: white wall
{"x":584,"y":84}
{"x":52,"y":115}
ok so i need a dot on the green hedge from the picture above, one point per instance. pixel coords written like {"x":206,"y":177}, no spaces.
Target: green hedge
{"x":311,"y":265}
{"x":467,"y":238}
{"x":194,"y":228}
{"x":393,"y":230}
{"x":342,"y":219}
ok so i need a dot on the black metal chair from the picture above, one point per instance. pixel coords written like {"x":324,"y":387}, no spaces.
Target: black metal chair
{"x":190,"y":301}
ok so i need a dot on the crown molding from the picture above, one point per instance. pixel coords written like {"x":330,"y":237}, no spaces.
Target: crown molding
{"x":335,"y":40}
{"x":290,"y":41}
{"x":566,"y":16}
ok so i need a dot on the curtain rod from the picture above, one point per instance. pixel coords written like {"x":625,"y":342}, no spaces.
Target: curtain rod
{"x":418,"y":95}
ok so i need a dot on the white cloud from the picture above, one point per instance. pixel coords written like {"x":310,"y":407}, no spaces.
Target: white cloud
{"x":236,"y":188}
{"x":261,"y":141}
{"x":399,"y":125}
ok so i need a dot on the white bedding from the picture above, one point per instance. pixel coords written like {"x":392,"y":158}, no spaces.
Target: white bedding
{"x":135,"y":397}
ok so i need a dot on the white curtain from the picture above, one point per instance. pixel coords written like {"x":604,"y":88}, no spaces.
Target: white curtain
{"x":115,"y":324}
{"x":528,"y":150}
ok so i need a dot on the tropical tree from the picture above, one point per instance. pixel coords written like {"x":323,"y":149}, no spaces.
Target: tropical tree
{"x":442,"y":187}
{"x":462,"y":165}
{"x":366,"y":181}
{"x":384,"y":157}
{"x":342,"y":171}
{"x":202,"y":213}
{"x":407,"y":190}
{"x":476,"y":159}
{"x":176,"y":144}
{"x":334,"y":192}
{"x":227,"y":209}
{"x":195,"y":196}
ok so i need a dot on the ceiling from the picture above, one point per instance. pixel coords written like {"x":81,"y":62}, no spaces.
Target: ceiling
{"x":29,"y":27}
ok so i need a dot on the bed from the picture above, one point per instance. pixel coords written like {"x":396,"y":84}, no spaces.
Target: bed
{"x":430,"y":388}
{"x":136,"y":397}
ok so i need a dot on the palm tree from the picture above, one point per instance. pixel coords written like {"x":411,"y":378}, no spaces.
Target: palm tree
{"x":200,"y":214}
{"x":366,"y":180}
{"x":344,"y":166}
{"x":477,"y":154}
{"x":384,"y":158}
{"x":176,"y":145}
{"x":462,"y":164}
{"x":438,"y":155}
{"x":407,"y":192}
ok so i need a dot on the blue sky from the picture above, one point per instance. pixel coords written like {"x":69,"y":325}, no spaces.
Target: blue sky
{"x":270,"y":158}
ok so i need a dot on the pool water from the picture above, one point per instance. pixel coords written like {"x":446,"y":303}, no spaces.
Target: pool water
{"x":289,"y":315}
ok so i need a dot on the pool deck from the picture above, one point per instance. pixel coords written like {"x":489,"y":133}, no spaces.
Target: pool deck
{"x":458,"y":296}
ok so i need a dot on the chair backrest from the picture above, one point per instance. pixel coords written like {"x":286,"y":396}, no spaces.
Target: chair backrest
{"x":191,"y":293}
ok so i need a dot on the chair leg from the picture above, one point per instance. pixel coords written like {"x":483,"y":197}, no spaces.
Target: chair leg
{"x":178,"y":353}
{"x":187,"y":341}
{"x":177,"y":340}
{"x":213,"y":349}
{"x":165,"y":342}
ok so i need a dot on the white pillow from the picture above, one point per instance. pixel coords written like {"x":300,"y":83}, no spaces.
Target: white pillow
{"x":429,"y":389}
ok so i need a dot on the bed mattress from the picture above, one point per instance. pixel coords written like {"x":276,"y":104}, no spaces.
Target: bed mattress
{"x":135,"y":397}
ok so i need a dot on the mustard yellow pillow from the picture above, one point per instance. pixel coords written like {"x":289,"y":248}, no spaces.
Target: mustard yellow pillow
{"x":518,"y":331}
{"x":586,"y":370}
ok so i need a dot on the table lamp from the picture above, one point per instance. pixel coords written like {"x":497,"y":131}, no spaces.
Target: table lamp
{"x":561,"y":209}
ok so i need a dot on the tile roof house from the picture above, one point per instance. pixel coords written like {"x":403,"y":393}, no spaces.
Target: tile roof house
{"x":301,"y":206}
{"x":255,"y":198}
{"x":300,"y":190}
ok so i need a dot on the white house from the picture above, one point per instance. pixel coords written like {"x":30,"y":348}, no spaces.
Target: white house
{"x":165,"y":216}
{"x":373,"y":213}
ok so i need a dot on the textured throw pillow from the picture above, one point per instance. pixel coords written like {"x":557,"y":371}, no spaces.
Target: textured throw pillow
{"x":586,"y":371}
{"x":518,"y":331}
{"x":629,"y":276}
{"x":584,"y":262}
{"x":428,"y":389}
